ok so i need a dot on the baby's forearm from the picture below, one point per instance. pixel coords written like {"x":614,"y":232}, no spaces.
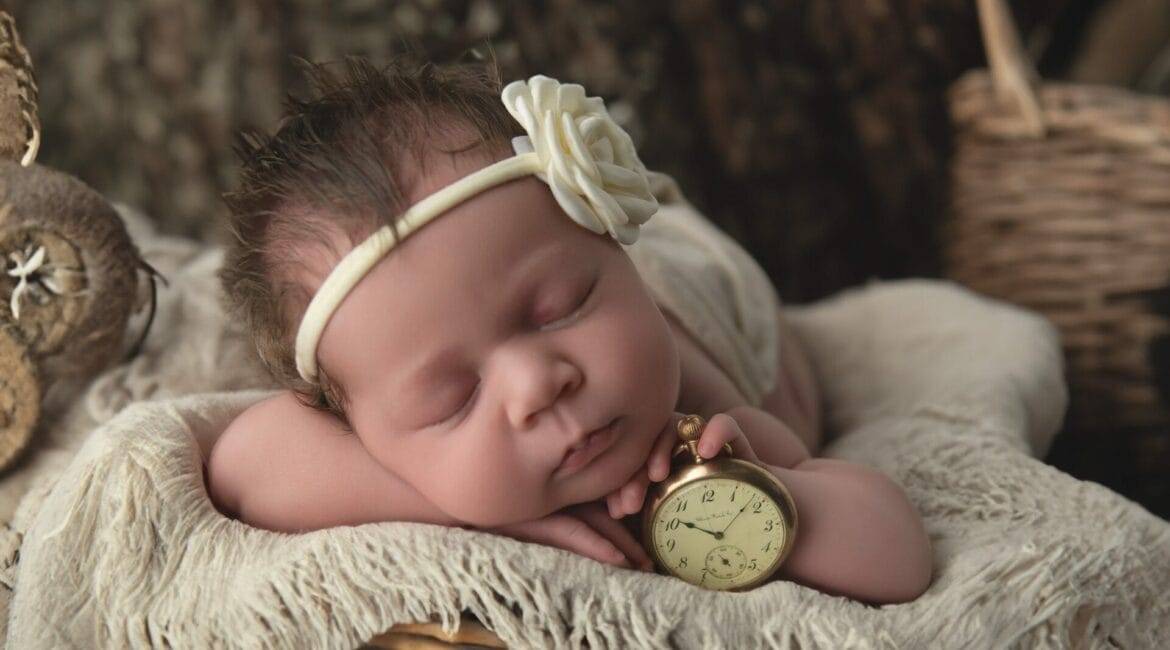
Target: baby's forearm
{"x":858,"y":534}
{"x":773,"y":441}
{"x":325,"y":478}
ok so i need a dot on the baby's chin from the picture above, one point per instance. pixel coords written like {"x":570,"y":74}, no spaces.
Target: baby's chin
{"x":608,"y":472}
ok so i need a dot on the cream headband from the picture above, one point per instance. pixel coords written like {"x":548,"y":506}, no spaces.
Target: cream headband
{"x":587,"y":160}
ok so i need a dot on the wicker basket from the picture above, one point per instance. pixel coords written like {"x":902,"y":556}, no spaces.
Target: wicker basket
{"x":1061,"y":203}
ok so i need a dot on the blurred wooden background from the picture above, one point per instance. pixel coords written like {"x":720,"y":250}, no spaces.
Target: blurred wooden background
{"x":814,"y":131}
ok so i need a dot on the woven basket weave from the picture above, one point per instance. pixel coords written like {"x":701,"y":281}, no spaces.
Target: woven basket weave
{"x":1061,"y":203}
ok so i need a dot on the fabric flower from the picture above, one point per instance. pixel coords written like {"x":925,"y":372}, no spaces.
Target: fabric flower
{"x":589,"y":161}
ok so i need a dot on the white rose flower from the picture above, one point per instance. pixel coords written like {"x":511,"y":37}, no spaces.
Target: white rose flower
{"x":589,"y":161}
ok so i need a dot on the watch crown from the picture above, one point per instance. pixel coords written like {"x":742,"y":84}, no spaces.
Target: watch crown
{"x":690,"y":428}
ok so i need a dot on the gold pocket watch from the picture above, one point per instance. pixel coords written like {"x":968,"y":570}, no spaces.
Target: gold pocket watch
{"x":720,"y":523}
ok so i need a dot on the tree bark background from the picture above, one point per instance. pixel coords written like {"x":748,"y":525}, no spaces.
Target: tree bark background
{"x":813,"y":131}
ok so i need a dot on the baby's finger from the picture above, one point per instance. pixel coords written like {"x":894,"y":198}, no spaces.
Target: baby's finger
{"x":633,"y":493}
{"x":659,"y":462}
{"x":721,"y":430}
{"x":571,"y":533}
{"x":613,"y":502}
{"x":617,"y":534}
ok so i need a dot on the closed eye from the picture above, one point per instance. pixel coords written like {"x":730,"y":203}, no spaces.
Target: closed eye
{"x":459,"y":410}
{"x":577,"y":310}
{"x":559,"y":322}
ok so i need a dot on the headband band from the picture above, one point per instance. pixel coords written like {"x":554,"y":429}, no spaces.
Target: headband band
{"x":573,"y":145}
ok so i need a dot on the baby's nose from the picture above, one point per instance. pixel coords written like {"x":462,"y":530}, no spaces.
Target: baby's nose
{"x":537,"y":384}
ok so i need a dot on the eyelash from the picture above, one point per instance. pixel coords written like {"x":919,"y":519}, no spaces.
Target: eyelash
{"x":471,"y":397}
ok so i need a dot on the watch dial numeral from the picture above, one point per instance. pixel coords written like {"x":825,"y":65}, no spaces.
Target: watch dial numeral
{"x":708,"y":522}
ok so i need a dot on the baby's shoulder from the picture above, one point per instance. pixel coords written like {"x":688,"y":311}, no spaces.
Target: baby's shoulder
{"x":270,"y":413}
{"x":703,"y":386}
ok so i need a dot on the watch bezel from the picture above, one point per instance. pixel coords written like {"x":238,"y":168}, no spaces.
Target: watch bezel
{"x":732,"y":469}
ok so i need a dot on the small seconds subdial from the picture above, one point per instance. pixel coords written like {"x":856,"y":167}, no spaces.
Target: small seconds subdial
{"x":726,"y":562}
{"x":719,"y":533}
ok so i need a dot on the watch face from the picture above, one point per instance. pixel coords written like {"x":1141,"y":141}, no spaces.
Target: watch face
{"x":719,"y":533}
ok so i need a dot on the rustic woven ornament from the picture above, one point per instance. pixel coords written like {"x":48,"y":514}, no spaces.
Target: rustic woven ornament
{"x":20,"y":129}
{"x":68,"y":269}
{"x":20,"y":397}
{"x":1061,"y":203}
{"x":74,"y":305}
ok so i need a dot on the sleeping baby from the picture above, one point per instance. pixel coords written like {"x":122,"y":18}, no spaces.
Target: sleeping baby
{"x":489,"y":314}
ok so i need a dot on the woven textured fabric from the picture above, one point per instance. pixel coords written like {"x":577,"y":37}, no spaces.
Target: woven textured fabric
{"x":714,"y":288}
{"x":951,"y":394}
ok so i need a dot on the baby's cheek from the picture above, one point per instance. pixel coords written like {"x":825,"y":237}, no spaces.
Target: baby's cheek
{"x":485,"y":494}
{"x":651,"y":359}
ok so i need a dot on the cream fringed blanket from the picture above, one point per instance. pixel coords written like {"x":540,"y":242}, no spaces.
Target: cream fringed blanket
{"x":952,"y":395}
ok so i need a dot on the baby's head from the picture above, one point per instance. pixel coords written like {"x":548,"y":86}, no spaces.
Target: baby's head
{"x":475,"y":353}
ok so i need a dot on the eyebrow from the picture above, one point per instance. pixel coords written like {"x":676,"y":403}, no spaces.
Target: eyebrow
{"x":521,"y":285}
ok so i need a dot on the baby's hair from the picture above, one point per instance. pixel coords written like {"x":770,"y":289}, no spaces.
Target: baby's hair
{"x":336,"y":163}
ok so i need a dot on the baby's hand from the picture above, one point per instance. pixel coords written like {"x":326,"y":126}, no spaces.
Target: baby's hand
{"x":628,"y":499}
{"x":721,"y":430}
{"x":583,"y":529}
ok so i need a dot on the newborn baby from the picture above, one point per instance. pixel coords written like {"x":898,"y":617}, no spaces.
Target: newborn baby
{"x":504,"y":367}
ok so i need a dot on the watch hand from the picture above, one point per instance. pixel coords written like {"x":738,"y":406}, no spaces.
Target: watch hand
{"x":716,"y":535}
{"x":749,"y":502}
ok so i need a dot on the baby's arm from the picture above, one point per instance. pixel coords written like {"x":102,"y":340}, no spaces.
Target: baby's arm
{"x":283,"y":466}
{"x":858,"y":535}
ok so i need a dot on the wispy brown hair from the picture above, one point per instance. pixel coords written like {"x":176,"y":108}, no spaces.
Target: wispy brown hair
{"x":336,"y":164}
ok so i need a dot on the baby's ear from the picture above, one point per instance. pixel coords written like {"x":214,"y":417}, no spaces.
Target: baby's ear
{"x":20,"y":395}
